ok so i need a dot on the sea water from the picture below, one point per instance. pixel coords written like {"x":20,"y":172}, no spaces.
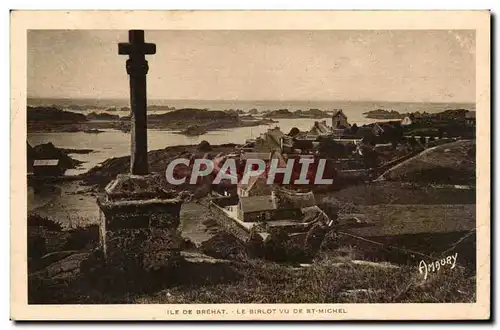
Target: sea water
{"x":113,"y":143}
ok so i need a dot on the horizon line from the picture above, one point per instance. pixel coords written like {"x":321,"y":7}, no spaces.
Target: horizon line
{"x":244,"y":100}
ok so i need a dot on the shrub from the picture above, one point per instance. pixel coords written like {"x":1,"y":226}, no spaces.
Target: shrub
{"x":82,"y":237}
{"x":37,"y":220}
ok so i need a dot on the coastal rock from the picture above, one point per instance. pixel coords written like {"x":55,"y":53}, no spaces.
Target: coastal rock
{"x":49,"y":151}
{"x":194,"y":130}
{"x":51,"y":114}
{"x":93,"y":131}
{"x":285,"y":113}
{"x":383,"y":114}
{"x":102,"y":116}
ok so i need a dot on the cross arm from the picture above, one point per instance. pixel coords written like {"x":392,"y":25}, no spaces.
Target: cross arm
{"x":126,"y":48}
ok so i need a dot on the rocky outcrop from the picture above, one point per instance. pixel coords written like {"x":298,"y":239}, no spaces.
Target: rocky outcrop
{"x":65,"y":268}
{"x":285,"y":113}
{"x":194,"y":130}
{"x":102,"y":116}
{"x":383,"y":114}
{"x":51,"y":114}
{"x":49,"y":151}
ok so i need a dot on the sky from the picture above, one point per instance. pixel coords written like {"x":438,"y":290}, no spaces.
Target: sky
{"x":391,"y":65}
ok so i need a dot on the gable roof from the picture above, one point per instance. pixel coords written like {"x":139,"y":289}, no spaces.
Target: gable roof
{"x":257,"y":204}
{"x":339,"y":112}
{"x":256,"y":155}
{"x":286,"y":198}
{"x":320,"y":128}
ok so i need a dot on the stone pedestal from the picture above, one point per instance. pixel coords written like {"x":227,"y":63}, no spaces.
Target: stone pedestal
{"x":136,"y":214}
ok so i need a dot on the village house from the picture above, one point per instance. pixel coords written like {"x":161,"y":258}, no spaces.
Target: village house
{"x":266,"y":156}
{"x":257,"y":185}
{"x":276,"y":206}
{"x":406,"y":121}
{"x":377,"y":129}
{"x":320,"y":128}
{"x":272,"y":140}
{"x":339,"y":120}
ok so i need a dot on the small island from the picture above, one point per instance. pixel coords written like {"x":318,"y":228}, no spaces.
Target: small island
{"x":383,"y":114}
{"x":194,"y":130}
{"x":102,"y":116}
{"x":285,"y":113}
{"x":189,"y":121}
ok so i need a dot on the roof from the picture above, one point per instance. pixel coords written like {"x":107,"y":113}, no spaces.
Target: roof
{"x":259,"y":183}
{"x":256,"y":155}
{"x":321,"y":128}
{"x":292,"y":199}
{"x":257,"y":204}
{"x":306,"y":136}
{"x":376,"y":126}
{"x":46,"y":162}
{"x":313,"y":213}
{"x":273,"y":138}
{"x":339,"y":112}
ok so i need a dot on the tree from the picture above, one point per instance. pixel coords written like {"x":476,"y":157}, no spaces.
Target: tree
{"x":369,"y":138}
{"x":332,"y":149}
{"x":440,"y":132}
{"x":293,"y":132}
{"x":204,"y":146}
{"x":412,"y":141}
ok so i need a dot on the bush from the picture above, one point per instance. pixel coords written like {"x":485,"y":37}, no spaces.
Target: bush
{"x":82,"y":237}
{"x":137,"y":260}
{"x":37,"y":220}
{"x":37,"y":246}
{"x":225,"y":246}
{"x":280,"y":248}
{"x":204,"y":146}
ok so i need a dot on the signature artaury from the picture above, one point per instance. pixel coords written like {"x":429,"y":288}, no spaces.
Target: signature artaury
{"x":425,"y":268}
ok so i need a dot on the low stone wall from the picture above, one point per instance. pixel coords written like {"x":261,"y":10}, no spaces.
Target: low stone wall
{"x":224,"y":201}
{"x":228,"y":224}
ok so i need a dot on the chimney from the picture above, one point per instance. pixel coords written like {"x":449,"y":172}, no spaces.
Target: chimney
{"x":273,"y":198}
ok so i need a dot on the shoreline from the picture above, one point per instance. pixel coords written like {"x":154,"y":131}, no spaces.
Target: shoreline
{"x":96,"y":127}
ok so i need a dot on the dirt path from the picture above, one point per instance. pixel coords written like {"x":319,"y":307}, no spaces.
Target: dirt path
{"x":192,"y":216}
{"x":403,"y":163}
{"x":448,"y":163}
{"x":66,"y":204}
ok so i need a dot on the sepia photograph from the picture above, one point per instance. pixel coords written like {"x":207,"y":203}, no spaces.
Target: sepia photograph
{"x":287,"y":173}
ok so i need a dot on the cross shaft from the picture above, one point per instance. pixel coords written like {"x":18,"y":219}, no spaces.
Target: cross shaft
{"x":137,"y":68}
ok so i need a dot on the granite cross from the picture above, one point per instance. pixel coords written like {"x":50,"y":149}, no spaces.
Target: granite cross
{"x":137,"y":68}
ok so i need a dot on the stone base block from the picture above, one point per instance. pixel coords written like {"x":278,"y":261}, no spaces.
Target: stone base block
{"x":142,"y":249}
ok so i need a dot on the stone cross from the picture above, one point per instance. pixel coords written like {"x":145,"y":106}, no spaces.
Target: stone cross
{"x":137,"y":68}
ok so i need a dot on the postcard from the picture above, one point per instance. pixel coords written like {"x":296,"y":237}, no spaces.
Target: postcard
{"x":250,"y":165}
